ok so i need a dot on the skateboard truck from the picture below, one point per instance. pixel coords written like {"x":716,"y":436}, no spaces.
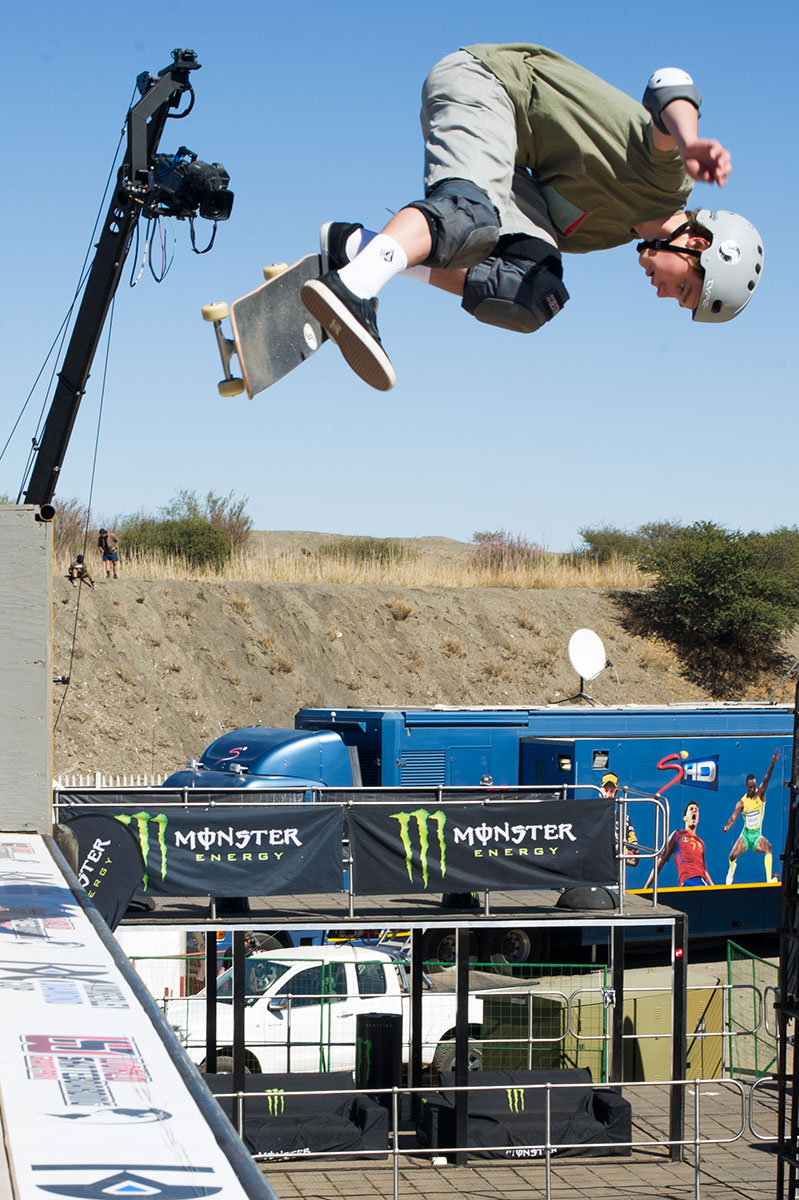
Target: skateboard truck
{"x":232,"y":385}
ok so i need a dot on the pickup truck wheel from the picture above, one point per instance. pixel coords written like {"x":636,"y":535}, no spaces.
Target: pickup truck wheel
{"x":439,"y":950}
{"x":444,"y":1057}
{"x":224,"y":1065}
{"x":512,"y":946}
{"x":265,"y":941}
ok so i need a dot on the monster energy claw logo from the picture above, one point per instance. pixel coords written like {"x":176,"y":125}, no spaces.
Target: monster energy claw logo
{"x":276,"y":1102}
{"x":143,"y":820}
{"x":515,"y":1099}
{"x":422,"y":819}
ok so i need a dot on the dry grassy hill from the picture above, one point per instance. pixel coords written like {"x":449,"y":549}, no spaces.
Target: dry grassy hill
{"x":161,"y":667}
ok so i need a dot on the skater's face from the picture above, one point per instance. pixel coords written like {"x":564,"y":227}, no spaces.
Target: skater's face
{"x":675,"y":276}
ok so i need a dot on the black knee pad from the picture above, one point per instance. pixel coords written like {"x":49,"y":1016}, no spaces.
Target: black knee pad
{"x":519,"y":288}
{"x":463,"y":222}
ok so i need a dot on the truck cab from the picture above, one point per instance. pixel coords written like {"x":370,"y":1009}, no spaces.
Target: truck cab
{"x":263,"y":757}
{"x":302,"y":1005}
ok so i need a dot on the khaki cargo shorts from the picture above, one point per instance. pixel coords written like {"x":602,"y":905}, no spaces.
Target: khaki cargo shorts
{"x":469,"y":127}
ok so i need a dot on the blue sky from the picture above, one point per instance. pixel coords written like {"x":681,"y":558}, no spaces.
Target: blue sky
{"x":621,"y":411}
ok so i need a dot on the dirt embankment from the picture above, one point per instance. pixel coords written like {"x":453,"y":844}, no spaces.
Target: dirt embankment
{"x":162,"y":668}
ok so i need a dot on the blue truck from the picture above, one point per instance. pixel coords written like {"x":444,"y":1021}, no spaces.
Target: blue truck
{"x":698,"y":757}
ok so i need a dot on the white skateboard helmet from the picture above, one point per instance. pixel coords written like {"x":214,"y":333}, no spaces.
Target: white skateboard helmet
{"x":733,"y":264}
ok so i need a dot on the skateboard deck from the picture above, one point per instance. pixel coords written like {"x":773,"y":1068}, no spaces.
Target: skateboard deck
{"x":273,"y":332}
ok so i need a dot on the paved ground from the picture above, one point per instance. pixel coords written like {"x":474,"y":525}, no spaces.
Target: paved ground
{"x":742,"y":1169}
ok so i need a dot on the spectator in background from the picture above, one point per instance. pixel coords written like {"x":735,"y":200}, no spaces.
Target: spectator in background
{"x":610,"y":787}
{"x":108,"y":545}
{"x":78,"y":572}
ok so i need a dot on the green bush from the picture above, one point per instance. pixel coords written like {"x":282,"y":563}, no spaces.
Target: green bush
{"x":225,"y":513}
{"x":201,"y":533}
{"x":607,"y":543}
{"x":723,"y":599}
{"x":367,"y":550}
{"x":191,"y":539}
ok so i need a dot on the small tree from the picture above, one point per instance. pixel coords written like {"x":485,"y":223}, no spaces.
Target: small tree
{"x":497,"y":550}
{"x":723,"y":599}
{"x":606,"y":542}
{"x":190,"y":539}
{"x":223,"y":512}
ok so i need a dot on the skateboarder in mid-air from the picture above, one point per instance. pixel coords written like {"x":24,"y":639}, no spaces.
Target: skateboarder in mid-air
{"x":529,"y":156}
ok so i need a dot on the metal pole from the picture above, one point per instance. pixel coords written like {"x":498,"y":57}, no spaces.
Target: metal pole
{"x":548,"y":1132}
{"x":617,"y":1015}
{"x":238,"y":1020}
{"x":415,"y":1033}
{"x":678,"y":1038}
{"x":789,"y":948}
{"x":395,"y":1137}
{"x":210,"y":1002}
{"x":461,"y":1044}
{"x":696,"y":1141}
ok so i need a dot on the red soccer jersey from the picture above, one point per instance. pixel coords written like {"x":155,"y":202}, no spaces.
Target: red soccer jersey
{"x":689,"y":854}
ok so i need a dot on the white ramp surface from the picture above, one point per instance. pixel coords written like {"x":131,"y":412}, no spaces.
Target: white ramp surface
{"x":93,"y":1102}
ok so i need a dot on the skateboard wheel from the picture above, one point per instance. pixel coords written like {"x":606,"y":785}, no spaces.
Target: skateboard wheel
{"x":230,"y":387}
{"x":274,"y":269}
{"x":215,"y":312}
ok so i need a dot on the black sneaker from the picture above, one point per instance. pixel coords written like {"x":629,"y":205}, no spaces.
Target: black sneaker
{"x":352,"y":324}
{"x":333,"y":244}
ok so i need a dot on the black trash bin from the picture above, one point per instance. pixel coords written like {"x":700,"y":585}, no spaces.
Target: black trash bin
{"x":378,"y":1053}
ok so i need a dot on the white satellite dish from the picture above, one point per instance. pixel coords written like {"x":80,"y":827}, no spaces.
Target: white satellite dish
{"x":587,"y":654}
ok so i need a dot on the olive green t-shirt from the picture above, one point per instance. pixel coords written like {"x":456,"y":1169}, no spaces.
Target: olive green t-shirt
{"x":589,"y":147}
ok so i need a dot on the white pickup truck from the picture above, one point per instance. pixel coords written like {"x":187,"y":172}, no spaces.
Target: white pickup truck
{"x":301,"y":1007}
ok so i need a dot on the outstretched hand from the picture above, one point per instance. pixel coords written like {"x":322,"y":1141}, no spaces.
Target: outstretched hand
{"x":706,"y":161}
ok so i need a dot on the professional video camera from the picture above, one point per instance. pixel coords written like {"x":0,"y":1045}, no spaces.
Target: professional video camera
{"x":184,"y":185}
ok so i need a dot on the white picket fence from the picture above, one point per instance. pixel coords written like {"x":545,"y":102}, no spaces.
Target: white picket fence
{"x":96,"y":779}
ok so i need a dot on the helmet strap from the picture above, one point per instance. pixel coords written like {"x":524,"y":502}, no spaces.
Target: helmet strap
{"x":665,"y":243}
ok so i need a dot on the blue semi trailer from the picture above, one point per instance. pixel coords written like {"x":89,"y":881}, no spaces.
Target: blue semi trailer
{"x":691,"y":755}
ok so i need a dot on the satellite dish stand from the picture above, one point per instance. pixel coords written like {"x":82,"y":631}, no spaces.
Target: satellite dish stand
{"x":581,"y":695}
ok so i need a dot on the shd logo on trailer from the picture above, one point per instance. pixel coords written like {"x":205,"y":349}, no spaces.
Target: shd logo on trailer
{"x":690,"y":772}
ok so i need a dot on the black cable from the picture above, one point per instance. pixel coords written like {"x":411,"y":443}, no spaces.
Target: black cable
{"x":161,"y":228}
{"x":178,"y":116}
{"x":194,"y":243}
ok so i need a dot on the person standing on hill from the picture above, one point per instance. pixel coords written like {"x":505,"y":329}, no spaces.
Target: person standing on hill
{"x":108,"y":546}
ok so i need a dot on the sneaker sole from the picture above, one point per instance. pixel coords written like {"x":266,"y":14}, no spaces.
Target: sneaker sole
{"x":362,"y":353}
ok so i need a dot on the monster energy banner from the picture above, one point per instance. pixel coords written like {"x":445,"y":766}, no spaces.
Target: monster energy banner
{"x":255,"y":851}
{"x":463,"y":847}
{"x":107,"y":859}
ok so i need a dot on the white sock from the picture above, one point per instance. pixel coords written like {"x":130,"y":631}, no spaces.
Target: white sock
{"x":421,"y":273}
{"x":360,"y":239}
{"x":374,"y":266}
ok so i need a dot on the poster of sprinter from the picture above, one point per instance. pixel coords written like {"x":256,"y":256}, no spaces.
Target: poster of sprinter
{"x":253,"y":851}
{"x":499,"y":846}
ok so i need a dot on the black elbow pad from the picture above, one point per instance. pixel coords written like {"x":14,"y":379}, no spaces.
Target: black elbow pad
{"x":665,"y":85}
